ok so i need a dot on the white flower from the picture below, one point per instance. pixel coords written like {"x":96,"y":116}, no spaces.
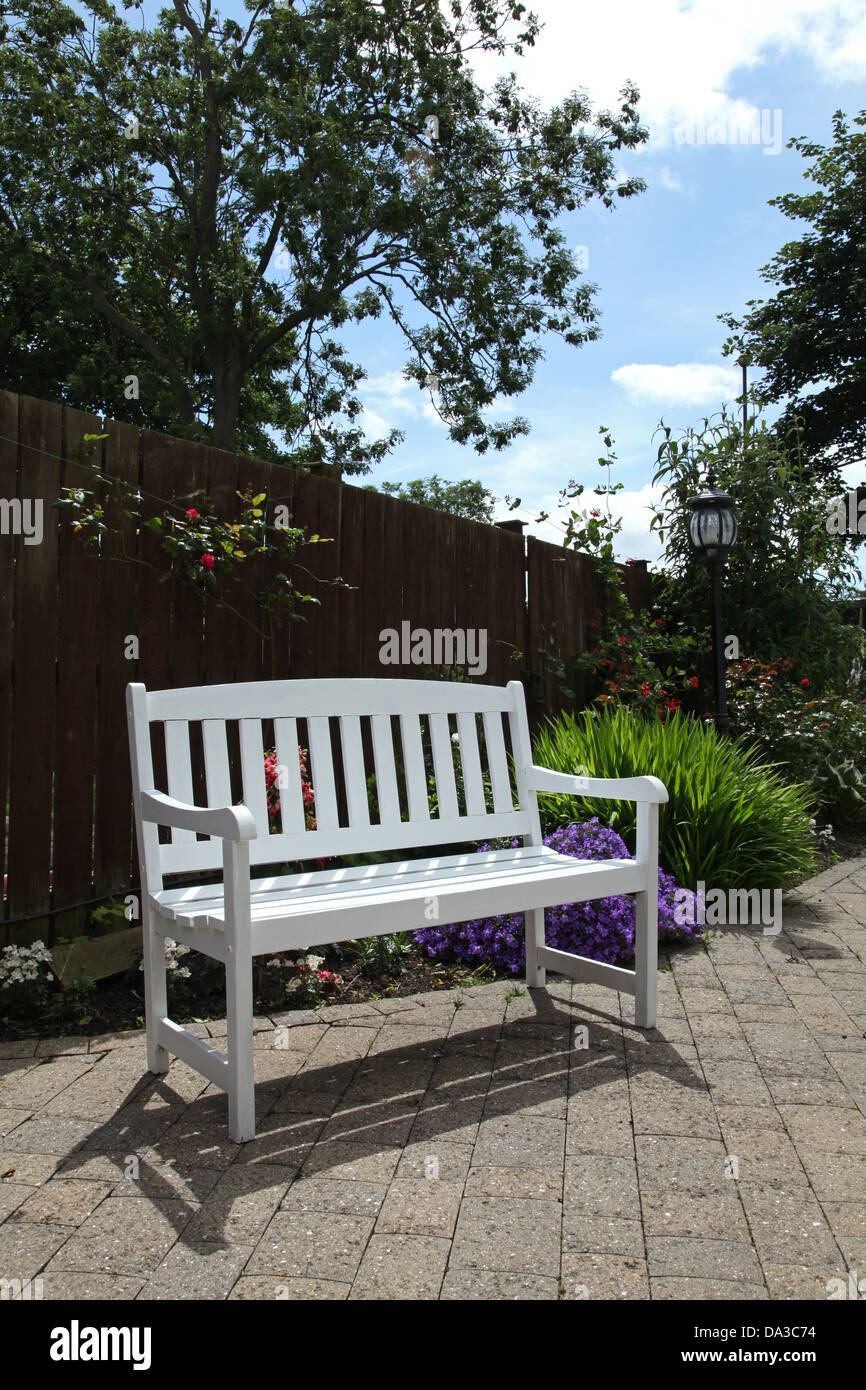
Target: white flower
{"x":314,"y":962}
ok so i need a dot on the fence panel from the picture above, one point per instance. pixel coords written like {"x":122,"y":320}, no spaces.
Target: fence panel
{"x":66,"y":843}
{"x":77,"y":689}
{"x":34,"y":671}
{"x":8,"y":487}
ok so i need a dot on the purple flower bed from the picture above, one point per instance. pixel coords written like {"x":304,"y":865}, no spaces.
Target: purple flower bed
{"x":602,"y":930}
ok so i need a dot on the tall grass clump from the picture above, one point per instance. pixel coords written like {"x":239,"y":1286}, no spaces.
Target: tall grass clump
{"x":731,"y":821}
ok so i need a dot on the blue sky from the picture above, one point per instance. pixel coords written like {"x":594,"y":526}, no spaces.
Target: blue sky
{"x":666,"y":262}
{"x":723,"y":88}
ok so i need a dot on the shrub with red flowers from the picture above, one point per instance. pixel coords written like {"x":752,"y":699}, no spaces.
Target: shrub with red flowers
{"x":817,"y":739}
{"x":205,"y":552}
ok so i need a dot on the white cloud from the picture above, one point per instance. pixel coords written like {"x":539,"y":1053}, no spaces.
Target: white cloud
{"x":688,"y":383}
{"x":683,"y":57}
{"x":666,"y":178}
{"x":391,"y":400}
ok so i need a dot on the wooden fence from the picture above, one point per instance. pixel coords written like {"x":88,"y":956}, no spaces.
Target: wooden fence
{"x":66,"y":614}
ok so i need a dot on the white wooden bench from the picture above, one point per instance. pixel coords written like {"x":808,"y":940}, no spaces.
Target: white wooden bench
{"x":370,"y":719}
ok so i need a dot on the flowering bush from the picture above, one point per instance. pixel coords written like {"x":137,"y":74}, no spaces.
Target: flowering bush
{"x":24,"y":978}
{"x":204,"y":551}
{"x":307,"y":987}
{"x":819,"y":740}
{"x":602,"y":930}
{"x":174,"y":952}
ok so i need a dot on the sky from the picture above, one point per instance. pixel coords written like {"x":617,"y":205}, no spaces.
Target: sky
{"x":723,"y":88}
{"x":666,"y":262}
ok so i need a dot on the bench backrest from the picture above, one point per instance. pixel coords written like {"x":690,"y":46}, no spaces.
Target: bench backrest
{"x":350,"y":729}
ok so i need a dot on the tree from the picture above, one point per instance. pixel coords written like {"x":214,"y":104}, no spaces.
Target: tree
{"x":202,"y":206}
{"x":468,"y":497}
{"x":787,"y":570}
{"x":810,"y":338}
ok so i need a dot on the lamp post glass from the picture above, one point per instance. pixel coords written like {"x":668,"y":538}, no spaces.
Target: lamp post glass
{"x":712,"y":531}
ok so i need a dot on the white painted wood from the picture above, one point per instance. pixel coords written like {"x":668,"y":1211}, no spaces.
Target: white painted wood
{"x":497,"y":762}
{"x":443,"y":766}
{"x":353,"y":770}
{"x":155,"y":995}
{"x":372,"y":839}
{"x":253,"y":773}
{"x":646,"y":937}
{"x":470,"y":763}
{"x":536,"y":975}
{"x":387,"y":793}
{"x":322,"y":773}
{"x":141,"y":760}
{"x":229,"y":822}
{"x":267,"y":699}
{"x":522,"y":749}
{"x":544,"y":779}
{"x":196,"y":1053}
{"x":240,"y":918}
{"x":292,"y":818}
{"x":178,"y":763}
{"x":216,"y":762}
{"x":239,"y":991}
{"x":413,"y":767}
{"x":594,"y":972}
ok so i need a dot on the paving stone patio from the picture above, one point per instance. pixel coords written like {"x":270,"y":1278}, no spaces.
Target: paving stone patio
{"x":460,"y":1146}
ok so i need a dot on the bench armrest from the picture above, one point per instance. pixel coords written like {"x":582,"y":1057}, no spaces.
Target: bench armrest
{"x":228,"y":822}
{"x":544,"y":779}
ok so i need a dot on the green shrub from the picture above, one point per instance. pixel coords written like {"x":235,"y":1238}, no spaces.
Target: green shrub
{"x":819,"y":740}
{"x":731,"y":820}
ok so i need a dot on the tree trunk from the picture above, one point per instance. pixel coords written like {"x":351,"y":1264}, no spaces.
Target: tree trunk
{"x":227,"y":382}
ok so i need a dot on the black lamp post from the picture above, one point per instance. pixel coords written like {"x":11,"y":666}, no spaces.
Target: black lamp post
{"x":712,"y":531}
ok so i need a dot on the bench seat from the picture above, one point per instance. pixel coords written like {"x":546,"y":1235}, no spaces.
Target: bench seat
{"x":310,"y":909}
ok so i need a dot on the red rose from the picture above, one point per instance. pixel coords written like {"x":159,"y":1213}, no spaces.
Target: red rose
{"x":693,"y":682}
{"x":805,"y":680}
{"x":192,"y":513}
{"x":207,"y":561}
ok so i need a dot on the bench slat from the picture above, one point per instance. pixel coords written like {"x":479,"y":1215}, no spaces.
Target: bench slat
{"x":216,"y":762}
{"x":322,"y":772}
{"x":443,"y":766}
{"x":178,"y":761}
{"x":353,"y":770}
{"x":386,"y":775}
{"x":291,"y":796}
{"x":413,"y":764}
{"x":497,"y":762}
{"x":470,"y":762}
{"x":323,"y":844}
{"x":253,"y":770}
{"x":331,"y":697}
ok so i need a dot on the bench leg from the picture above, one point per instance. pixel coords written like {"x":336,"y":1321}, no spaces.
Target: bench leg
{"x":239,"y":1019}
{"x":155,"y":1001}
{"x":646,"y":952}
{"x":536,"y":975}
